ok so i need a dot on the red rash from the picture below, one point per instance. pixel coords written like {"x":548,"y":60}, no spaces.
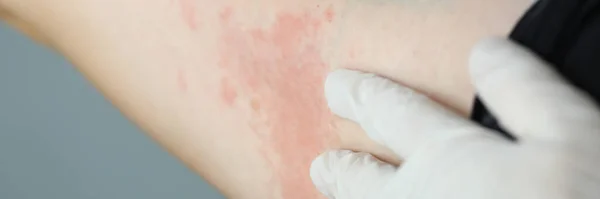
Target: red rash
{"x":280,"y":72}
{"x":188,"y":13}
{"x":329,"y":14}
{"x":181,"y":80}
{"x":187,"y":9}
{"x":225,"y":14}
{"x":228,"y":92}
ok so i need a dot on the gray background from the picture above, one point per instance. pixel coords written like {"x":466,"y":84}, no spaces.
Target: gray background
{"x":55,"y":133}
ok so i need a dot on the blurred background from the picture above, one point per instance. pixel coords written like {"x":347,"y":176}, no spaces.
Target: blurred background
{"x":60,"y":139}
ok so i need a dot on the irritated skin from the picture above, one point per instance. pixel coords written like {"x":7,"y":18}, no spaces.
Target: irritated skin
{"x":235,"y":88}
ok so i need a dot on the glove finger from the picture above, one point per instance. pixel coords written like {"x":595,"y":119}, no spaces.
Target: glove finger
{"x":345,"y":174}
{"x":530,"y":99}
{"x":391,"y":114}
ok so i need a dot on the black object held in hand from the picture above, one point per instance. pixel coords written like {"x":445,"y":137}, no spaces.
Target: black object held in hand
{"x":565,"y":33}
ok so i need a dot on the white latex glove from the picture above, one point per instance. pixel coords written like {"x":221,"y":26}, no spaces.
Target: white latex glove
{"x":448,"y":157}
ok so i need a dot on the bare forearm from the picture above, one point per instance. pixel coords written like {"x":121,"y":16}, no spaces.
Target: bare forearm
{"x":176,"y":68}
{"x":234,"y":88}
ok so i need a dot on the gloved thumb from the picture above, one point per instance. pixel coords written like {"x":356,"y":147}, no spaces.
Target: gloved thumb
{"x":345,"y":174}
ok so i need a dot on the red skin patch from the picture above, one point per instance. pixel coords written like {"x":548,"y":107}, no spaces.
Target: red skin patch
{"x":329,"y":14}
{"x":188,"y":12}
{"x":181,"y":80}
{"x":281,"y":71}
{"x":228,"y":92}
{"x":225,"y":14}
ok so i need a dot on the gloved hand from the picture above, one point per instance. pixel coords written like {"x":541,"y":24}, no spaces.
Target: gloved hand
{"x":449,"y":157}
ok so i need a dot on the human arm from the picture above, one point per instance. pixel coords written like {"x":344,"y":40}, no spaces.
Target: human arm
{"x":133,"y":52}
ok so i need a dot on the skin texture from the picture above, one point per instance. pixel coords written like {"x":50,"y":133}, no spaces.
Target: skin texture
{"x":277,"y":72}
{"x":235,"y":88}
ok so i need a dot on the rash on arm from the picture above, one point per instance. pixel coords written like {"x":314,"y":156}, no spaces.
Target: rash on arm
{"x":276,"y":73}
{"x":234,"y":88}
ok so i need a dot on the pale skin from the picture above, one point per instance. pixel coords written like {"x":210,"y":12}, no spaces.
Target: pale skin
{"x":234,"y":88}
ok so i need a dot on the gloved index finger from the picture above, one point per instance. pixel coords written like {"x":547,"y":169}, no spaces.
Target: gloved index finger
{"x":391,"y":114}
